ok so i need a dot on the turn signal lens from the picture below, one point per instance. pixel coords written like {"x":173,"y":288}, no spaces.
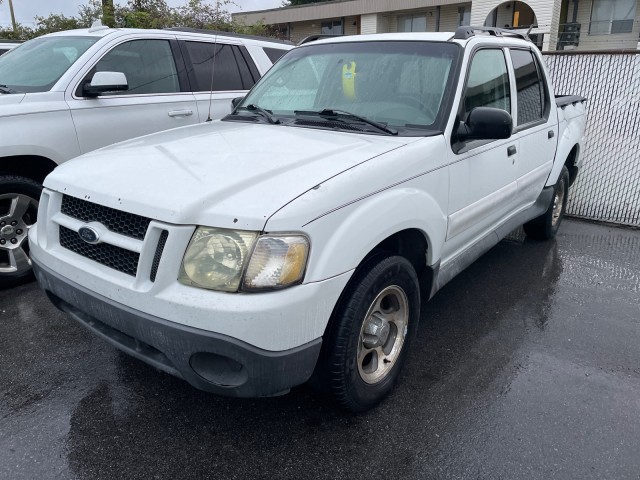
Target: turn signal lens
{"x":277,"y":262}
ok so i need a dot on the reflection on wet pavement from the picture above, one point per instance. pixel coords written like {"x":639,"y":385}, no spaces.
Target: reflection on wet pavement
{"x":526,"y":366}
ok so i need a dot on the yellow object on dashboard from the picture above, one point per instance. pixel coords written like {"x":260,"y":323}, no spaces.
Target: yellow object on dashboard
{"x":349,"y":80}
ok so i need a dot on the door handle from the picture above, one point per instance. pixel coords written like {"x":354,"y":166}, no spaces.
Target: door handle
{"x":180,"y":113}
{"x":551,"y":134}
{"x":511,"y":150}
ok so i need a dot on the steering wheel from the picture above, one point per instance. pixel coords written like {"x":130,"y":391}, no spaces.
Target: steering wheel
{"x":414,"y":102}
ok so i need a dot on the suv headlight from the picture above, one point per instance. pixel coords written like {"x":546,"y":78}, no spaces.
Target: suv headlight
{"x":232,"y":260}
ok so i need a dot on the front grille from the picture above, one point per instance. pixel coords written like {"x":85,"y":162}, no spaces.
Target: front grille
{"x":124,"y":261}
{"x":117,"y":221}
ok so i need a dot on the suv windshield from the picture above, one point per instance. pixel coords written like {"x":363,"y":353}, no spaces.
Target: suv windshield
{"x":37,"y":65}
{"x":403,"y":85}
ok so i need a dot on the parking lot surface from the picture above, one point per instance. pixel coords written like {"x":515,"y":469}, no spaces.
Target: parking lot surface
{"x":527,"y":365}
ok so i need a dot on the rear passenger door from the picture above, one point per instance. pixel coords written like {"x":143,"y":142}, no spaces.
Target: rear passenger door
{"x":536,"y":128}
{"x":158,"y":97}
{"x":215,"y":85}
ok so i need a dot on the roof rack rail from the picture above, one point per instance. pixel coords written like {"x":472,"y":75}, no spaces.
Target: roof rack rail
{"x":464,"y":33}
{"x":228,"y":34}
{"x":313,"y":38}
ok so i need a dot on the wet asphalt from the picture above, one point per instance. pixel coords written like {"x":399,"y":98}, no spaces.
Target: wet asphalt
{"x":527,"y":365}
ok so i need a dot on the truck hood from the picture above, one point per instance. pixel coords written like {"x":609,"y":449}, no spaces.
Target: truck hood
{"x":223,"y":174}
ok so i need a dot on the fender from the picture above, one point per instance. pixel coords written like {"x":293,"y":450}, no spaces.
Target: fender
{"x":55,"y":139}
{"x":346,"y":236}
{"x":571,"y":136}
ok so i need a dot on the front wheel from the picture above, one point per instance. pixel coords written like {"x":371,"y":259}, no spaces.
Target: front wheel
{"x":545,"y":227}
{"x":370,"y":332}
{"x":19,"y":198}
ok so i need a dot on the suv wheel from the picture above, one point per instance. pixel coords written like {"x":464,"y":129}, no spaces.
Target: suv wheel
{"x":19,"y":198}
{"x":372,"y":325}
{"x":545,"y":227}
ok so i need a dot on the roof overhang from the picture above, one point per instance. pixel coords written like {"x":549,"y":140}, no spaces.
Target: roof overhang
{"x":334,"y":9}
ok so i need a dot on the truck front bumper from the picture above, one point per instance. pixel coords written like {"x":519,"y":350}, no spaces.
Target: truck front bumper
{"x":209,"y":361}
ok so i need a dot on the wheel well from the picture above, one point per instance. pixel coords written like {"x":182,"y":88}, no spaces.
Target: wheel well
{"x":411,"y":244}
{"x":570,"y":163}
{"x":30,"y":166}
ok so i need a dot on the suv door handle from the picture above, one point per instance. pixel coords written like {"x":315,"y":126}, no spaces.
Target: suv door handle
{"x":511,"y":150}
{"x":551,"y":134}
{"x":180,"y":113}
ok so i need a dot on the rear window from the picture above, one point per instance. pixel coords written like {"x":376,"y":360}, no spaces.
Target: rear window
{"x":231,"y":70}
{"x":274,"y":54}
{"x":529,"y":86}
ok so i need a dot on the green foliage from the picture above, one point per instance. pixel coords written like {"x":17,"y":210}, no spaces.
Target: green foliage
{"x":142,"y":14}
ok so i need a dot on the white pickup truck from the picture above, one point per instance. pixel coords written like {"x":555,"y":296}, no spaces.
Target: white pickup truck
{"x":296,"y":238}
{"x":72,"y":92}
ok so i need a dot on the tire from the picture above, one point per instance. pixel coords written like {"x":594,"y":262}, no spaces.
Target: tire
{"x":369,"y":335}
{"x":545,"y":227}
{"x":19,"y":197}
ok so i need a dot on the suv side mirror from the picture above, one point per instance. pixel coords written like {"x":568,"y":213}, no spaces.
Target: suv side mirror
{"x":486,"y":123}
{"x":236,"y":101}
{"x":103,"y":82}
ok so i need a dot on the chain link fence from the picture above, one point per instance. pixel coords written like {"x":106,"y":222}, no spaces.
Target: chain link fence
{"x":608,"y":186}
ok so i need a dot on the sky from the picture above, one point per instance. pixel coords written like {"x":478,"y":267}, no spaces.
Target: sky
{"x":25,"y":10}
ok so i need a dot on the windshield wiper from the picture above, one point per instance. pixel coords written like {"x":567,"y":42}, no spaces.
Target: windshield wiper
{"x":255,"y":108}
{"x":334,"y":114}
{"x":5,"y":89}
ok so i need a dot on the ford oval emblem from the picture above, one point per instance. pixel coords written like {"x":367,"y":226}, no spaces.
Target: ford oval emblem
{"x":89,"y":235}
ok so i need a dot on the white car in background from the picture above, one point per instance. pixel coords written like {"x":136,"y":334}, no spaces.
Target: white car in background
{"x":6,"y":45}
{"x":71,"y":92}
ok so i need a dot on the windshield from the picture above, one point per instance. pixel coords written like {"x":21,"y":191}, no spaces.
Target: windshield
{"x":37,"y":65}
{"x":400,"y":84}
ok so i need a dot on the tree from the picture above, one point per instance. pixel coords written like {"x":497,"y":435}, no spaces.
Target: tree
{"x":142,"y":14}
{"x":108,"y":13}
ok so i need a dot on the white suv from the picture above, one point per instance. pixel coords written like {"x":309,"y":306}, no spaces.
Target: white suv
{"x":6,"y":45}
{"x":71,"y":92}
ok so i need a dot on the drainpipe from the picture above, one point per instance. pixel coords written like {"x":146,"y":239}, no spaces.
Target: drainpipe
{"x":438,"y":18}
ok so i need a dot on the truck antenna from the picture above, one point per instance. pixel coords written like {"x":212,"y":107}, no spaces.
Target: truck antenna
{"x":213,"y":69}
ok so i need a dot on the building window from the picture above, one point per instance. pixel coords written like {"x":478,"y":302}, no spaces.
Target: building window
{"x":464,"y":16}
{"x":332,"y":27}
{"x":412,"y":23}
{"x":612,"y":16}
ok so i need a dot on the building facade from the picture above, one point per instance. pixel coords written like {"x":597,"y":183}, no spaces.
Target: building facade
{"x":556,"y":24}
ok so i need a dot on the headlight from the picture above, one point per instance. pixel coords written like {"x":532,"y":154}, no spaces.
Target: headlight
{"x":216,"y":259}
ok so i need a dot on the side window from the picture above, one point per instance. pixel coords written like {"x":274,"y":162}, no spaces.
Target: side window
{"x":529,"y":86}
{"x":148,"y":65}
{"x":274,"y":54}
{"x":227,"y":74}
{"x":487,"y":83}
{"x":245,"y":72}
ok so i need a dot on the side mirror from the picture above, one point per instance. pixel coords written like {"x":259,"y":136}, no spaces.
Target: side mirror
{"x":236,"y":101}
{"x":103,"y":82}
{"x":486,"y":123}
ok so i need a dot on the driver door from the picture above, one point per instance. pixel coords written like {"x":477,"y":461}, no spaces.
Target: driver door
{"x":482,"y":173}
{"x":158,"y":97}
